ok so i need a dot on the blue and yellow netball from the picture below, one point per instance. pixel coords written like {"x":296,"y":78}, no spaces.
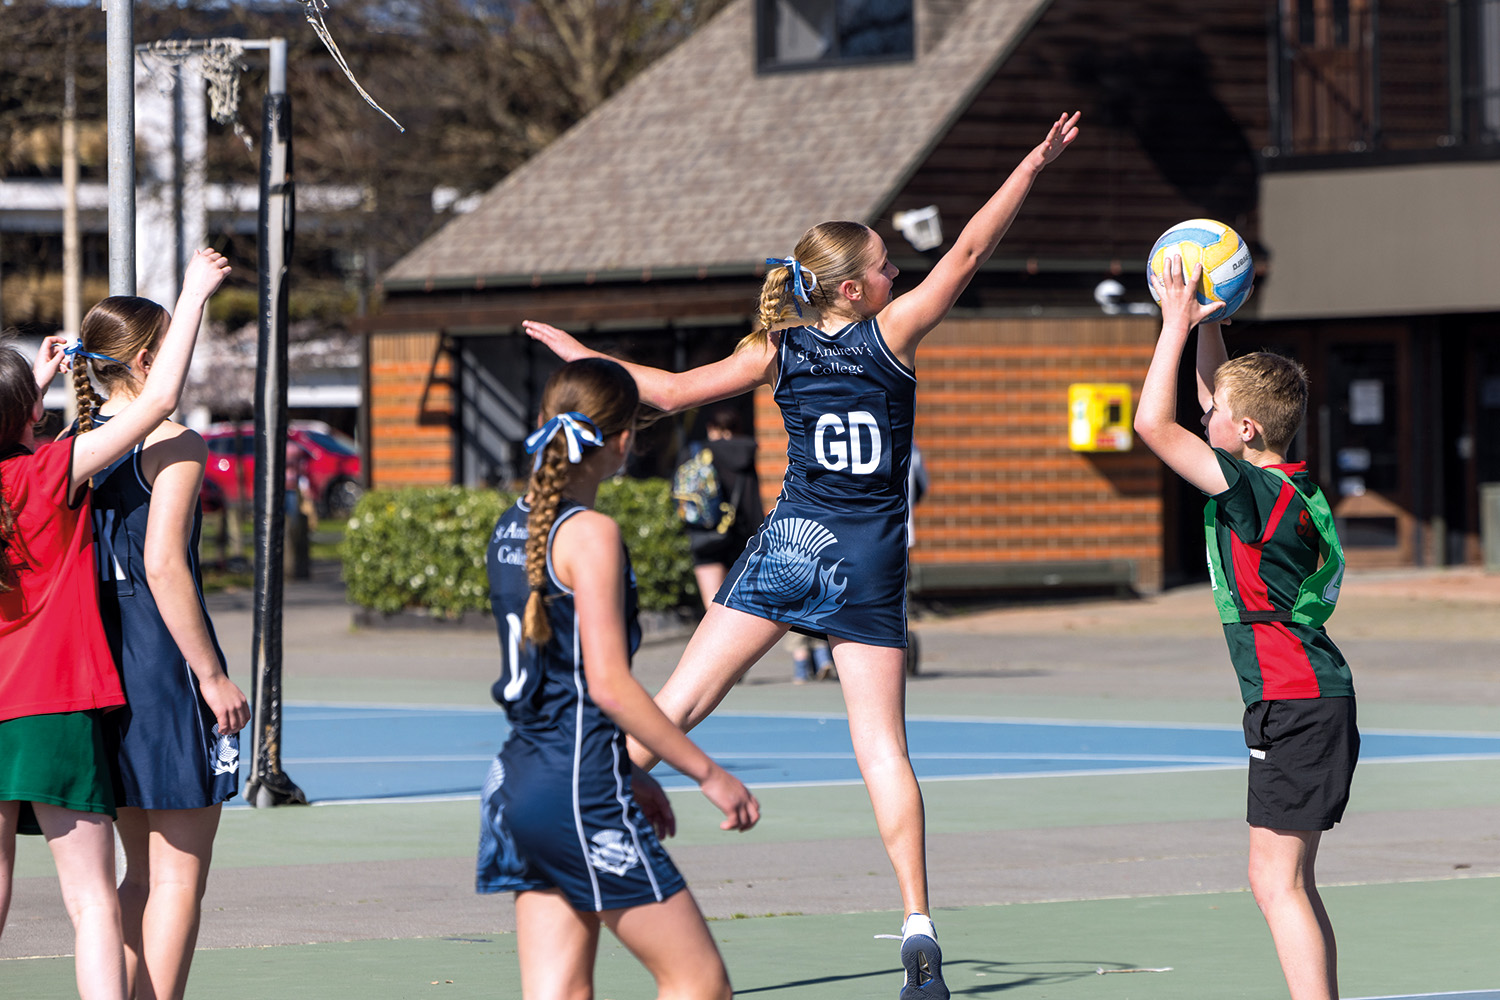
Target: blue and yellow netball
{"x":1228,"y":272}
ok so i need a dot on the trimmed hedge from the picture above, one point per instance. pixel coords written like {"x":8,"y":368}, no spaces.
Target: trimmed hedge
{"x":424,"y":547}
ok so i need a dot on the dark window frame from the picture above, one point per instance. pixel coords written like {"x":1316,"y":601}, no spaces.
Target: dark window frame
{"x":765,"y":46}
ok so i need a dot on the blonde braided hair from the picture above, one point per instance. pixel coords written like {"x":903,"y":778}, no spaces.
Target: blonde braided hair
{"x":835,"y":252}
{"x":603,"y":391}
{"x":546,"y":491}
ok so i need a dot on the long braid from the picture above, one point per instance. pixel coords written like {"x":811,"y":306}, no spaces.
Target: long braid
{"x":89,"y":401}
{"x":546,"y":490}
{"x":832,"y":252}
{"x":775,"y":303}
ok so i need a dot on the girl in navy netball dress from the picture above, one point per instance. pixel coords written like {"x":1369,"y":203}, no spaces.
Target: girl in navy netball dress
{"x":560,"y":825}
{"x":175,"y":744}
{"x":831,"y":557}
{"x":58,"y":680}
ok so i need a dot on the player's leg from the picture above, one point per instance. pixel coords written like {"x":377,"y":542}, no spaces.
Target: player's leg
{"x":725,"y":645}
{"x":83,"y":850}
{"x":556,"y":946}
{"x":673,"y":942}
{"x":710,"y":577}
{"x":180,"y":845}
{"x":10,"y":820}
{"x":1281,"y":877}
{"x":874,"y":685}
{"x":135,"y":837}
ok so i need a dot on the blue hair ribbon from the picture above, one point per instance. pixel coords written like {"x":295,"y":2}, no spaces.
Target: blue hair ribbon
{"x":577,"y":430}
{"x":803,"y":280}
{"x":75,"y":349}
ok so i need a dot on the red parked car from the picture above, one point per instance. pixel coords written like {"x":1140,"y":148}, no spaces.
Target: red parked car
{"x":333,"y":470}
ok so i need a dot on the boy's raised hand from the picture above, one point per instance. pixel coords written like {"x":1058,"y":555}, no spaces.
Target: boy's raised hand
{"x":1178,"y":293}
{"x":206,"y":271}
{"x":1059,"y":138}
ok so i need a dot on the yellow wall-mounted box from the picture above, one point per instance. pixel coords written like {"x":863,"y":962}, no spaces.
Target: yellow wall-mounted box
{"x":1099,"y":416}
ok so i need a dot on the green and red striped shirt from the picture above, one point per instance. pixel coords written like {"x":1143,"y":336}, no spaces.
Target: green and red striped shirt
{"x":1265,"y":546}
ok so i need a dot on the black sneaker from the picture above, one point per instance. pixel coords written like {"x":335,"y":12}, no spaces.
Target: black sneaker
{"x":923,"y":961}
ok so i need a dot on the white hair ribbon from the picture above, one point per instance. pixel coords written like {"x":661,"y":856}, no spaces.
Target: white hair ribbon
{"x":577,"y":429}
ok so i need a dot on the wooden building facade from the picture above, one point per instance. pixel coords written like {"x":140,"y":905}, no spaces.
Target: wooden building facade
{"x":642,"y":230}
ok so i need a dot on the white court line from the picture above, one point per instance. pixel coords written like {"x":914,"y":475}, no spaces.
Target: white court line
{"x":412,"y":759}
{"x":356,"y":709}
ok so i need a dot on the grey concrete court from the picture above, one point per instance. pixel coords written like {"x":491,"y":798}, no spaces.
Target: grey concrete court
{"x":311,"y":884}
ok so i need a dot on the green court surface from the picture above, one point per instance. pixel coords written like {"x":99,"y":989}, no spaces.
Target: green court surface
{"x":1039,"y":882}
{"x":1396,"y":939}
{"x":394,"y":832}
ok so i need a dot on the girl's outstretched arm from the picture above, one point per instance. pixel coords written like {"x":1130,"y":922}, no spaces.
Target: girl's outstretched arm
{"x":174,"y":460}
{"x":670,"y":392}
{"x":95,"y":450}
{"x":911,"y":316}
{"x":589,"y":558}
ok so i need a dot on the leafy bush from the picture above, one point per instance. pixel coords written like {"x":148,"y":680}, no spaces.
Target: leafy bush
{"x":421,"y":548}
{"x":424,"y":547}
{"x":658,"y":546}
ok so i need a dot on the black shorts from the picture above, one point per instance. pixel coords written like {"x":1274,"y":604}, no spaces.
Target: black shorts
{"x":710,"y":547}
{"x":1302,"y":757}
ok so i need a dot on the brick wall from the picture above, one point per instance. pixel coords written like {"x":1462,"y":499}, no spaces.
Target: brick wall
{"x":410,"y":411}
{"x":992,"y":423}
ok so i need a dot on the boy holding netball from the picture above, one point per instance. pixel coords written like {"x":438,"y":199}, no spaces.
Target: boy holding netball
{"x":1276,"y":567}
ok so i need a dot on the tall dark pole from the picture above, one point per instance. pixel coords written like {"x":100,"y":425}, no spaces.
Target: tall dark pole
{"x":268,"y":784}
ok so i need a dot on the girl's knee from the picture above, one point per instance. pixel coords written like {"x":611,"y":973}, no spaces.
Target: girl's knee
{"x":710,"y":982}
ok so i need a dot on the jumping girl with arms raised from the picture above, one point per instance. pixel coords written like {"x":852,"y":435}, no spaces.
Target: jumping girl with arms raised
{"x":831,"y":558}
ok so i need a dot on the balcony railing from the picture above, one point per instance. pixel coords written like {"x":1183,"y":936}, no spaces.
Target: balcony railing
{"x":1399,"y":76}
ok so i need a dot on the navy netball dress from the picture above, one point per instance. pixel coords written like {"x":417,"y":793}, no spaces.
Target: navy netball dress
{"x":170,"y":752}
{"x":557,"y":809}
{"x":831,"y":557}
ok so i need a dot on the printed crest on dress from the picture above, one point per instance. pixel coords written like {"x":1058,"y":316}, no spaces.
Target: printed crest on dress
{"x":225,"y":755}
{"x":498,"y":857}
{"x":613,"y":852}
{"x":790,"y":573}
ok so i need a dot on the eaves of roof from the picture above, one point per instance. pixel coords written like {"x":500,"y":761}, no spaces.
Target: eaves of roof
{"x":702,"y":166}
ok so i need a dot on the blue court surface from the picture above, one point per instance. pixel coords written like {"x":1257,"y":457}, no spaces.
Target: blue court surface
{"x":349,"y":752}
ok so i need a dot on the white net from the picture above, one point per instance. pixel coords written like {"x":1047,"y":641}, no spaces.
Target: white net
{"x":221,"y":65}
{"x":219,"y":60}
{"x":314,"y":10}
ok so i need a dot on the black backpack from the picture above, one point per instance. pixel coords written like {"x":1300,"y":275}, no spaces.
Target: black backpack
{"x":700,"y":495}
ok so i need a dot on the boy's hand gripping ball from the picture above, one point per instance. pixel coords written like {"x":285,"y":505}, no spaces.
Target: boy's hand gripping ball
{"x":1228,"y":272}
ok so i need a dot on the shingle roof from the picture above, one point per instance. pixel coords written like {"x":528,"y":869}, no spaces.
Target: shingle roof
{"x":701,"y":162}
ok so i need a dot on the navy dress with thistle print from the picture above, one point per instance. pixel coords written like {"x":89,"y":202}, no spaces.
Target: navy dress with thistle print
{"x":557,"y":810}
{"x":168,"y":750}
{"x":830,"y":559}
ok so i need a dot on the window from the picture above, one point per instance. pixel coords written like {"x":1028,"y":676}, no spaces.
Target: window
{"x":805,"y":33}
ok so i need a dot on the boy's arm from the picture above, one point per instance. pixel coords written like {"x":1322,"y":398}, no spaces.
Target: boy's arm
{"x":1211,"y":354}
{"x":1185,"y":453}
